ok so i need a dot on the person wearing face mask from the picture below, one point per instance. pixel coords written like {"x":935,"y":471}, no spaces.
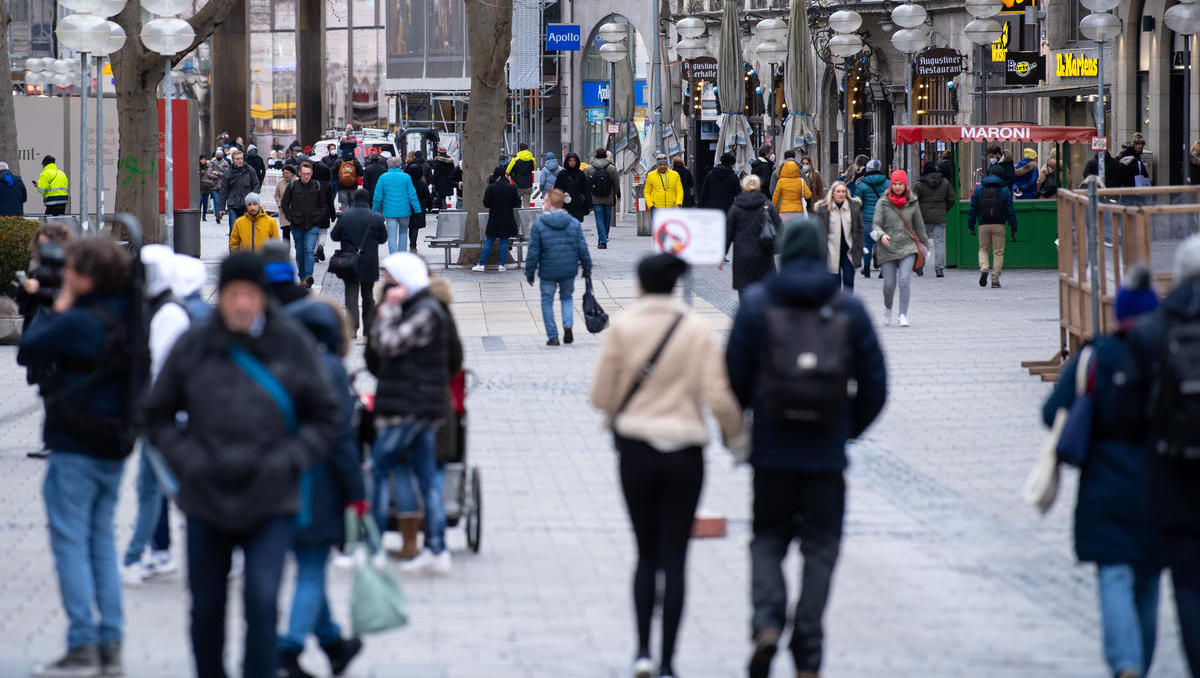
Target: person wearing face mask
{"x":812,"y":176}
{"x":763,"y":167}
{"x":897,"y":228}
{"x":842,"y":217}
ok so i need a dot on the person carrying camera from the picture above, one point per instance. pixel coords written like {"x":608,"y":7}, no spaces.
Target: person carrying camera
{"x":82,"y":338}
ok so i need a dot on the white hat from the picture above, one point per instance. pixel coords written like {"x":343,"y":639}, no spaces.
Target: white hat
{"x":1187,"y":259}
{"x":408,"y":269}
{"x":158,"y":260}
{"x":188,"y":276}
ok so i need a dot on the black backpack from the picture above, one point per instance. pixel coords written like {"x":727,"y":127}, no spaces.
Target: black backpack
{"x":602,"y":184}
{"x":991,"y":205}
{"x":807,"y":367}
{"x":1177,"y":403}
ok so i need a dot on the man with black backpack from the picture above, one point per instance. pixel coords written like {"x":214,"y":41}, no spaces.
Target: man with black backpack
{"x":1166,"y":350}
{"x":991,"y":207}
{"x":797,"y":344}
{"x":606,"y":191}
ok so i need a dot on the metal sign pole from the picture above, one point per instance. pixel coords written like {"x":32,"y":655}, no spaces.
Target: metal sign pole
{"x":1093,"y":245}
{"x":83,"y":142}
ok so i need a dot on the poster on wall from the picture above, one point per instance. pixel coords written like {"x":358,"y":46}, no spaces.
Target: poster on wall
{"x":446,"y":39}
{"x":405,"y":38}
{"x":425,"y":39}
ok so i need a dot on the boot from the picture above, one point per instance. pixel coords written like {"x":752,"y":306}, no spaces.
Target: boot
{"x":342,"y":653}
{"x":289,"y":666}
{"x":410,"y":524}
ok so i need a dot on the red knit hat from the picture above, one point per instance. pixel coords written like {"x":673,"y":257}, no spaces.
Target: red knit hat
{"x":899,"y":175}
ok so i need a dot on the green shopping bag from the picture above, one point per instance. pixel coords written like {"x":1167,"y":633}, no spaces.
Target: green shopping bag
{"x":376,"y":600}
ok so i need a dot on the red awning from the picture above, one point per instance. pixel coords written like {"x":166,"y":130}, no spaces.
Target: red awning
{"x":913,"y":134}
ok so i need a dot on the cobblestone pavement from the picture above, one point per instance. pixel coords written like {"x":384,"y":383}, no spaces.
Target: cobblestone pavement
{"x":944,"y":572}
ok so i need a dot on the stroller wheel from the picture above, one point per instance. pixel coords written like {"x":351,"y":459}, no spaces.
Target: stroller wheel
{"x":475,"y":512}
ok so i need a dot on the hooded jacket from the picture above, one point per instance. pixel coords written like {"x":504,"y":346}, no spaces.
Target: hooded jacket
{"x":576,"y":184}
{"x":251,"y":233}
{"x":256,"y":162}
{"x":359,"y":226}
{"x":663,"y":189}
{"x":719,"y":189}
{"x":889,"y":220}
{"x":869,"y":189}
{"x":446,"y":440}
{"x":12,"y":194}
{"x":556,"y":247}
{"x":395,"y":196}
{"x":764,"y":169}
{"x":443,"y":175}
{"x":688,"y":182}
{"x":1026,"y":179}
{"x":52,"y":184}
{"x":550,"y":170}
{"x":374,"y":169}
{"x":791,"y":191}
{"x":236,"y":184}
{"x":416,"y":221}
{"x":501,"y":198}
{"x":603,"y":165}
{"x":209,"y":176}
{"x":408,"y":352}
{"x":743,"y":225}
{"x":936,"y":197}
{"x":521,"y":169}
{"x":992,"y":181}
{"x":799,"y":446}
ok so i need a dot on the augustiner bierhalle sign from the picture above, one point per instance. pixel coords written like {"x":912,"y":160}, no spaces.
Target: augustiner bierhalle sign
{"x":1024,"y":68}
{"x":940,"y":61}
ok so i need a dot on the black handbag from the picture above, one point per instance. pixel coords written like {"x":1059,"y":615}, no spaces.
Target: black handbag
{"x":767,"y":233}
{"x":344,"y":262}
{"x":593,"y":316}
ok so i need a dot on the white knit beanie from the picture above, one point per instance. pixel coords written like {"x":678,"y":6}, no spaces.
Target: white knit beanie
{"x":409,"y":270}
{"x":1187,"y":259}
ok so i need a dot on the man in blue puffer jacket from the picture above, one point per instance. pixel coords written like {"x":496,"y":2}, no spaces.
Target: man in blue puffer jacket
{"x":870,"y":188}
{"x":396,"y":199}
{"x":557,"y":248}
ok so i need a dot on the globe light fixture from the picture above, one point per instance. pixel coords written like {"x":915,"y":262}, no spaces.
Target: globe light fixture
{"x":81,"y":6}
{"x":691,"y":48}
{"x":982,"y":9}
{"x":845,"y":21}
{"x":116,"y":39}
{"x":108,"y":8}
{"x":982,"y":31}
{"x":771,"y":51}
{"x":909,"y":15}
{"x":771,"y":30}
{"x":612,"y":52}
{"x":1183,"y":19}
{"x":690,"y":27}
{"x":611,"y":32}
{"x":909,"y":40}
{"x":167,"y":36}
{"x":1100,"y":26}
{"x":1100,"y":5}
{"x":165,"y":8}
{"x":845,"y":45}
{"x":58,"y":65}
{"x":82,"y":32}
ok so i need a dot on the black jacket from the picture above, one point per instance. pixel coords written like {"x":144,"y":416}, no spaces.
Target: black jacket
{"x":946,"y":167}
{"x":236,"y":183}
{"x":307,"y":205}
{"x":522,"y":173}
{"x":408,"y":352}
{"x":371,"y":173}
{"x":576,"y":184}
{"x":501,"y":198}
{"x":443,"y":175}
{"x":743,"y":225}
{"x":260,"y":167}
{"x":720,"y":188}
{"x":762,"y":169}
{"x":1111,"y":169}
{"x":236,"y":462}
{"x":12,"y":195}
{"x":416,"y":172}
{"x":688,"y":182}
{"x":1130,"y":164}
{"x":359,"y":226}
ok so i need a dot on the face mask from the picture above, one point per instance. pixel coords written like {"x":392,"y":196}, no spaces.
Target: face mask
{"x":772,"y":158}
{"x":992,"y":161}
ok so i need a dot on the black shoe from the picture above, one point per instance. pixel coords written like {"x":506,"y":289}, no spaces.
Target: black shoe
{"x":38,"y":454}
{"x":995,"y":284}
{"x":289,"y":666}
{"x":920,"y":272}
{"x":880,"y":274}
{"x":866,"y":271}
{"x":342,"y":653}
{"x":940,"y":274}
{"x":765,"y":643}
{"x":602,"y":246}
{"x":309,"y":282}
{"x":110,"y":659}
{"x":320,"y":253}
{"x":983,"y":276}
{"x":568,"y":335}
{"x":552,"y":341}
{"x":80,"y":661}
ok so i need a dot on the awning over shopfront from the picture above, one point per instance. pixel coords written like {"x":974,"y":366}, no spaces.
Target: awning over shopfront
{"x":915,"y":134}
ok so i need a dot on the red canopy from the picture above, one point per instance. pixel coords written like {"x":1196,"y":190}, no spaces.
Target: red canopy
{"x":913,"y":134}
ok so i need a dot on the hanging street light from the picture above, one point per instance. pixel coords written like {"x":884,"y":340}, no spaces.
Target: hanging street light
{"x":1184,"y":19}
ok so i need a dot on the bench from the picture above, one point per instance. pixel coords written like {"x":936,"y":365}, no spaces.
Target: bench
{"x":449,"y":232}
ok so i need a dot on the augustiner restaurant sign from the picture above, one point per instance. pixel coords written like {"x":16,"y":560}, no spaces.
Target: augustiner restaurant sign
{"x":1074,"y":65}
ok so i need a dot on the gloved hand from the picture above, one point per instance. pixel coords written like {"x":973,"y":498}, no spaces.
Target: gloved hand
{"x":530,"y":281}
{"x":1014,"y":234}
{"x":587,"y":272}
{"x":361,"y":507}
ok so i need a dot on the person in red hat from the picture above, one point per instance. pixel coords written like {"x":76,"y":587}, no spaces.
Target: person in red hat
{"x":898,"y":230}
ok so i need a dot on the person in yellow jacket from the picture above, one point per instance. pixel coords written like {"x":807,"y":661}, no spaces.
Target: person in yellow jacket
{"x":521,"y":169}
{"x":663,"y":187}
{"x":52,"y":184}
{"x":791,"y":191}
{"x":254,"y":228}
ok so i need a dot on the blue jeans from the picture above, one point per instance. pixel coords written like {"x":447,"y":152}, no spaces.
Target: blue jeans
{"x":604,"y":217}
{"x":81,"y":496}
{"x":215,"y":198}
{"x":847,"y":271}
{"x":310,"y":606}
{"x":397,"y":230}
{"x":415,"y":441}
{"x":150,"y":497}
{"x":1129,"y":615}
{"x":869,"y":247}
{"x":306,"y":243}
{"x":565,"y":287}
{"x":233,"y":213}
{"x":209,"y":554}
{"x":487,"y":250}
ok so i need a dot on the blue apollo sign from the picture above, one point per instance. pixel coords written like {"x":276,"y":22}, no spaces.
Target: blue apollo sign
{"x":562,"y":37}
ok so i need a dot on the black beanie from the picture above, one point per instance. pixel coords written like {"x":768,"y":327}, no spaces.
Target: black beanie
{"x":242,"y":266}
{"x":46,"y":160}
{"x":658,"y":272}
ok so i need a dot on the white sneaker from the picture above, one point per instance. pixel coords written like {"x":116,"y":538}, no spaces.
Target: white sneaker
{"x":342,"y":561}
{"x":887,"y":317}
{"x":643,"y":668}
{"x":421,"y":564}
{"x":391,"y":541}
{"x":903,"y":320}
{"x":380,"y":560}
{"x":478,"y":268}
{"x":137,"y":573}
{"x":501,"y":269}
{"x":164,"y":563}
{"x":441,"y":564}
{"x":237,"y":564}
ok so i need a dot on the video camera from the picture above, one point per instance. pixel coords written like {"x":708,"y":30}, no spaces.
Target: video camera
{"x":52,"y":261}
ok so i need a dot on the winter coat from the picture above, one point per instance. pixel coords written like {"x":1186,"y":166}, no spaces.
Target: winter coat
{"x":603,"y":165}
{"x":501,"y":198}
{"x":800,"y":446}
{"x":835,"y":233}
{"x":416,"y":221}
{"x":443,"y":176}
{"x":888,"y":221}
{"x":550,"y":170}
{"x":974,"y":212}
{"x":237,"y":464}
{"x":1091,"y":168}
{"x":791,"y":191}
{"x":576,"y":184}
{"x":306,"y":205}
{"x":1026,"y":182}
{"x":556,"y":247}
{"x":1130,"y":164}
{"x":869,"y":189}
{"x":53,"y":185}
{"x":358,"y":227}
{"x":335,"y":176}
{"x":67,"y":348}
{"x":281,"y":187}
{"x":743,"y":224}
{"x":338,"y":480}
{"x":1009,"y":172}
{"x":236,"y":184}
{"x":663,"y":189}
{"x":408,"y":352}
{"x":719,"y":189}
{"x":521,"y":169}
{"x":936,"y":197}
{"x":446,"y":439}
{"x":395,"y":196}
{"x":251,"y":233}
{"x":209,"y":176}
{"x":12,"y":195}
{"x":946,"y":169}
{"x":763,"y":169}
{"x":666,"y":411}
{"x":1194,"y":169}
{"x":1174,"y":503}
{"x":1111,"y":522}
{"x":374,"y":169}
{"x":815,"y":182}
{"x":688,"y":182}
{"x":255,"y":161}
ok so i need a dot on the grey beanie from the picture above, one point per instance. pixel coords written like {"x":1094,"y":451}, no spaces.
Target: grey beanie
{"x":253,"y":198}
{"x":1187,"y":259}
{"x":875,"y":165}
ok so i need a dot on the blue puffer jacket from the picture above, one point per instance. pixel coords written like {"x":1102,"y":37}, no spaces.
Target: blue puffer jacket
{"x":395,"y":195}
{"x":338,"y":480}
{"x":1026,"y":183}
{"x":556,"y":247}
{"x":550,"y":170}
{"x":803,"y":447}
{"x":1111,"y":519}
{"x":870,"y":188}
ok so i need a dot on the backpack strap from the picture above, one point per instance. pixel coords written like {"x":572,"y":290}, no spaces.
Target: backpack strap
{"x":247,"y":363}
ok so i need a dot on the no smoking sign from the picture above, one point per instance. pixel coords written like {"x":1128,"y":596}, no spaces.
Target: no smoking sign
{"x":695,"y":235}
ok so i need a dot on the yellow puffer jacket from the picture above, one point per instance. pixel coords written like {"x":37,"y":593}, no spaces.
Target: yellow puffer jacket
{"x":791,"y":190}
{"x":250,"y":233}
{"x":664,"y":190}
{"x":52,"y":184}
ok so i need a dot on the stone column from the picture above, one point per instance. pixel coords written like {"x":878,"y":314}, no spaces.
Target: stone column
{"x":231,"y":74}
{"x":310,"y":70}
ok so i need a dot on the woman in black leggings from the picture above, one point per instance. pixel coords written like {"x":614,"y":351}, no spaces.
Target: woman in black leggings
{"x":660,"y":432}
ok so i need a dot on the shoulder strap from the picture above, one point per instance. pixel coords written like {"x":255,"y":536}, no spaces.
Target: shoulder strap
{"x":1085,"y":372}
{"x":263,"y":377}
{"x":904,"y":221}
{"x":648,"y":368}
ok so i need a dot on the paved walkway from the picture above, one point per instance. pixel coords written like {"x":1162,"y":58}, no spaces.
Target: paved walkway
{"x":944,"y":572}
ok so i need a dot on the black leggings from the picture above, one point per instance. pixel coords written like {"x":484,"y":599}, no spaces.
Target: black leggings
{"x":661,"y":492}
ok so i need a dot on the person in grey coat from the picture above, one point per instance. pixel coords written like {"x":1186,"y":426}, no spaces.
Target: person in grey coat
{"x":897,"y":220}
{"x":936,"y":197}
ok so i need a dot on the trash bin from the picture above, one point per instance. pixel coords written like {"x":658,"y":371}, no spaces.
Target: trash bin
{"x":187,"y":232}
{"x":644,"y":222}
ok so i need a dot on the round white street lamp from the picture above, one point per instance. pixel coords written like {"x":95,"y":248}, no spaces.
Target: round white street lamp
{"x":108,"y":8}
{"x":982,"y":9}
{"x":1100,"y":26}
{"x":1100,"y":5}
{"x":691,"y":48}
{"x":690,"y":27}
{"x":612,"y":52}
{"x":909,"y":15}
{"x":611,"y":32}
{"x":845,"y":21}
{"x":845,"y":45}
{"x":168,"y":36}
{"x":1184,"y":19}
{"x":910,"y":40}
{"x":771,"y":51}
{"x":983,"y":31}
{"x":116,"y":39}
{"x":165,"y":8}
{"x":81,"y":6}
{"x":771,"y":30}
{"x":82,"y":32}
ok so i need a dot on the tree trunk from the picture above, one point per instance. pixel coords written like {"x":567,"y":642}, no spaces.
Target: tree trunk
{"x":8,"y":115}
{"x":489,"y":23}
{"x":137,"y":72}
